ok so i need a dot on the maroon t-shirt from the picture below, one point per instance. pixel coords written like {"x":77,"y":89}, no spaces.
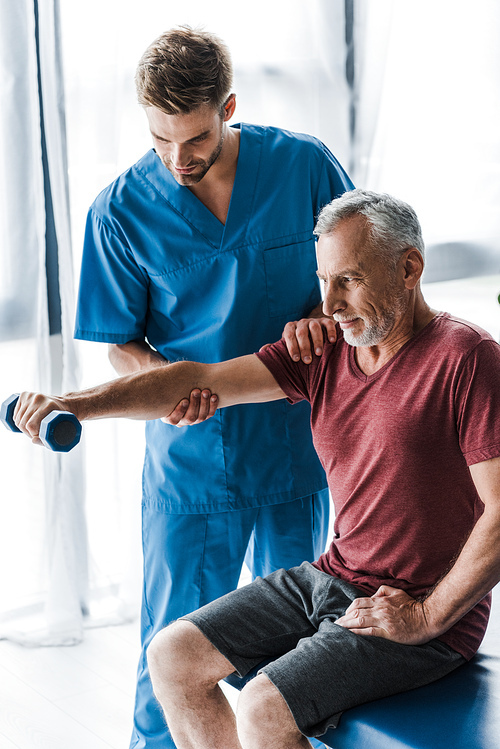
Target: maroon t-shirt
{"x":396,"y":446}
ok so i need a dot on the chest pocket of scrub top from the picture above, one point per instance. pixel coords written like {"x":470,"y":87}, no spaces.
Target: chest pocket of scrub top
{"x":291,"y":281}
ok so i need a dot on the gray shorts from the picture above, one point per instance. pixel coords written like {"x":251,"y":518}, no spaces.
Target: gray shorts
{"x":320,"y":669}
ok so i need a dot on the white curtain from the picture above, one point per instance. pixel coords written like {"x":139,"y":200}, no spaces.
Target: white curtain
{"x":43,"y":552}
{"x":430,"y":126}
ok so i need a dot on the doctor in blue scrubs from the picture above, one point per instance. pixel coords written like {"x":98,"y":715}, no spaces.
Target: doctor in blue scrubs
{"x":204,"y":250}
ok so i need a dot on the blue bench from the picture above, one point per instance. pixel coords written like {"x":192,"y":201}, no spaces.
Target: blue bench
{"x":460,"y":711}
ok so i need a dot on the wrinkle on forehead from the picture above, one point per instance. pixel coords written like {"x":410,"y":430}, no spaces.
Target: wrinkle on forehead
{"x":348,"y":251}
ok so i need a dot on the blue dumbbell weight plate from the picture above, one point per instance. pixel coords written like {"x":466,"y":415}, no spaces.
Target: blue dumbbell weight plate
{"x":7,"y":412}
{"x":60,"y":431}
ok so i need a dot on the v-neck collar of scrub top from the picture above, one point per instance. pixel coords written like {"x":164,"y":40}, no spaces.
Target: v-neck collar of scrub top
{"x":195,"y":213}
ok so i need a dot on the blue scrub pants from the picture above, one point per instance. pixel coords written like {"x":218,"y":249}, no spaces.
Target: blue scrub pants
{"x":190,"y":560}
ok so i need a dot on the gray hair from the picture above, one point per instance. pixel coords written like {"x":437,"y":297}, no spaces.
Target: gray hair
{"x":394,"y":226}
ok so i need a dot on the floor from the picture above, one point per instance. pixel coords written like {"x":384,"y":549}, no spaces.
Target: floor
{"x":69,"y":698}
{"x":77,"y":697}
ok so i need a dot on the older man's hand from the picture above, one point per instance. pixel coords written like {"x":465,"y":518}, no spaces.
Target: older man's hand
{"x":389,"y":613}
{"x":32,"y":408}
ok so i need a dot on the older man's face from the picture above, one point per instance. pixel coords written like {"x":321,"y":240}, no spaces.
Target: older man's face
{"x":362,"y":293}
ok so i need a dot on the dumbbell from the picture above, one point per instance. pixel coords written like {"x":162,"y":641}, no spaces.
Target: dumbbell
{"x":59,"y":431}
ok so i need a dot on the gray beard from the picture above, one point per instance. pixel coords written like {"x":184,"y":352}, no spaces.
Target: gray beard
{"x":375,"y":333}
{"x":372,"y":335}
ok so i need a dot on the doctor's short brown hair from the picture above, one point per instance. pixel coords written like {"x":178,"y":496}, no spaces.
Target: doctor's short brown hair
{"x":183,"y":69}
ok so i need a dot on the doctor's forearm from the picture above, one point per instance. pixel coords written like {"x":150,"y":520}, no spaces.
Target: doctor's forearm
{"x":134,"y":356}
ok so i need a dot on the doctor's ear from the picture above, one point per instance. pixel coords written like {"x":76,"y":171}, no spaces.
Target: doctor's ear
{"x":228,"y":107}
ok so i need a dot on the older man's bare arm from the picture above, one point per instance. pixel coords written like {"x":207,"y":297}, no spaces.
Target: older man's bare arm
{"x":154,"y":393}
{"x":393,"y":614}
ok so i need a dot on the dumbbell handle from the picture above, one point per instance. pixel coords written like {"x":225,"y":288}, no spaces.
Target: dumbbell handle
{"x":59,"y":431}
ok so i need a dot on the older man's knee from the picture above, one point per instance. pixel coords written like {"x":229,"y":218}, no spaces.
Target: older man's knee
{"x":262,"y":710}
{"x":181,"y":654}
{"x":168,"y":651}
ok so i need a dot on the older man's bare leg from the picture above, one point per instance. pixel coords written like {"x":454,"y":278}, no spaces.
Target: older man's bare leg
{"x":185,"y":670}
{"x":264,"y":719}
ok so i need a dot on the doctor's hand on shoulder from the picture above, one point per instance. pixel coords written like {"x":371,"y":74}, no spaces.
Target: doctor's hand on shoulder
{"x":305,"y":337}
{"x":200,"y":406}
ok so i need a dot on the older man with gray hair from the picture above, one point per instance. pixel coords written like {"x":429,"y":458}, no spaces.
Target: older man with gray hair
{"x":406,"y":421}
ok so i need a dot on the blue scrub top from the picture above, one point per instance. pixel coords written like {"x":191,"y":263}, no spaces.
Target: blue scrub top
{"x":157,"y":264}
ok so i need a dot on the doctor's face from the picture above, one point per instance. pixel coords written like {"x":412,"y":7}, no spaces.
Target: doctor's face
{"x":188,"y":144}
